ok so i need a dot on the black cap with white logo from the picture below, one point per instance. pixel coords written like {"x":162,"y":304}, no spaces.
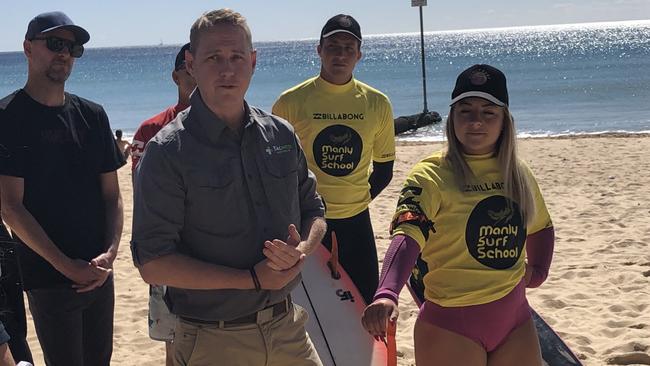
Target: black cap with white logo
{"x":341,"y":23}
{"x":482,"y":81}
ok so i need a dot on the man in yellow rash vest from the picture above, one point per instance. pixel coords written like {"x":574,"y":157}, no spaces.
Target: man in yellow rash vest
{"x":343,"y":125}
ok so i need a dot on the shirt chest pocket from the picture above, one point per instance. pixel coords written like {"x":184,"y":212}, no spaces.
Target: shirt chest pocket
{"x":281,"y":166}
{"x":213,"y":202}
{"x":281,"y":181}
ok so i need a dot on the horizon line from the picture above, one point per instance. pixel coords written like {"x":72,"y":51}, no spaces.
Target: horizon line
{"x":376,"y":35}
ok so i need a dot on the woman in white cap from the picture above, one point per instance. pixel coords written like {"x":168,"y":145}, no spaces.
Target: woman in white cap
{"x":470,"y":211}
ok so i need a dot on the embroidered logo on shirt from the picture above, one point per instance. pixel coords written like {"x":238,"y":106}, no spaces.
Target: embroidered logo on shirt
{"x":279,"y":149}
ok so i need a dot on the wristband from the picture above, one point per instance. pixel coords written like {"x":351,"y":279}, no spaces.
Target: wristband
{"x":256,"y":281}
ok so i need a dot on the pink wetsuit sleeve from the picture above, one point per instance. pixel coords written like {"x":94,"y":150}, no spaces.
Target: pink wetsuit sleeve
{"x":539,"y":251}
{"x":398,"y":263}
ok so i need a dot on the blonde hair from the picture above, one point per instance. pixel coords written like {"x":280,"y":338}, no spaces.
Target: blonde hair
{"x":516,"y":185}
{"x":212,"y":18}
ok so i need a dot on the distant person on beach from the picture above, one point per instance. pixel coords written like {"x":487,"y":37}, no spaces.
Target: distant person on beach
{"x":161,"y":321}
{"x":123,"y":145}
{"x":61,"y":198}
{"x":476,"y":216}
{"x":343,"y":125}
{"x":12,"y":305}
{"x":148,"y":129}
{"x":225,"y":211}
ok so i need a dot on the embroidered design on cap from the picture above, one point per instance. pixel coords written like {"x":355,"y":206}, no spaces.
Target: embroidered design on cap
{"x":479,"y":77}
{"x":346,"y":22}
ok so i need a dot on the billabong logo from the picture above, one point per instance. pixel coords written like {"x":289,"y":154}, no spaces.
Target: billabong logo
{"x":344,"y":295}
{"x":337,"y":116}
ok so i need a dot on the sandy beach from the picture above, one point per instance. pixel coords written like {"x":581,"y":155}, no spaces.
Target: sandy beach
{"x":597,"y":296}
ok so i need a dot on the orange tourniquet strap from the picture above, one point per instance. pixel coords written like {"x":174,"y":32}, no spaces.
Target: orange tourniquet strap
{"x":333,"y":263}
{"x":391,"y":344}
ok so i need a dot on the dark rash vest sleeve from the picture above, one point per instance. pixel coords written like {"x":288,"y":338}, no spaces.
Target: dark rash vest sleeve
{"x":381,"y":175}
{"x":112,"y":157}
{"x":158,"y":206}
{"x":311,"y":205}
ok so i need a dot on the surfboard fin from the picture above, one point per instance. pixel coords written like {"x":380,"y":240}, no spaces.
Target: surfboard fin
{"x":333,"y":263}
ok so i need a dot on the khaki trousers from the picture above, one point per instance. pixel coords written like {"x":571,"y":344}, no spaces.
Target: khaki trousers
{"x":282,"y":341}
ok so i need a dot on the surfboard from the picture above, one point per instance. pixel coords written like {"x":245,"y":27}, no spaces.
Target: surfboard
{"x":335,"y":307}
{"x":554,"y":351}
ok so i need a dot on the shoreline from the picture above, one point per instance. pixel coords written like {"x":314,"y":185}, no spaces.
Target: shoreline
{"x":404,"y":138}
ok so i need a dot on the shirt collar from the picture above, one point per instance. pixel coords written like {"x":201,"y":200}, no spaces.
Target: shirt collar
{"x":334,"y":88}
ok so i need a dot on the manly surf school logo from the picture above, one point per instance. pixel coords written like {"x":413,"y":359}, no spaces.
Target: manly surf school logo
{"x":337,"y":150}
{"x":495,"y":233}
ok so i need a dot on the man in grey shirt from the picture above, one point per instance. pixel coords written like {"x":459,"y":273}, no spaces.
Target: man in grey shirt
{"x":217,"y":192}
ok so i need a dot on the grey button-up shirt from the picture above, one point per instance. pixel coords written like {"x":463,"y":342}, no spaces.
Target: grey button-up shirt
{"x":208,"y":192}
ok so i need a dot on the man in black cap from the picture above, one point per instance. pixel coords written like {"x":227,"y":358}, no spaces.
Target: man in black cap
{"x":343,"y":125}
{"x":161,"y":321}
{"x":61,"y":198}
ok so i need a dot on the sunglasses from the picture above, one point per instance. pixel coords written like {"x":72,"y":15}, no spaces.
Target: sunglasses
{"x":56,"y":44}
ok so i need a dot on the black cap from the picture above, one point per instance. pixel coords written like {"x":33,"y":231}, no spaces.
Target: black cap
{"x":482,"y":81}
{"x":341,"y":23}
{"x":47,"y":22}
{"x":180,"y":57}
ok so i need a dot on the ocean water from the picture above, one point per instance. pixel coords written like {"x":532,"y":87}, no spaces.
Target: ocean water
{"x":571,"y":79}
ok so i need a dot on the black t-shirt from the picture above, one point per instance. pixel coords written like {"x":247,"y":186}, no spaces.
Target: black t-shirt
{"x":61,"y":153}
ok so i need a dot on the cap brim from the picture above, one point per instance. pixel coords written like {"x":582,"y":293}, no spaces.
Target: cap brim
{"x":340,"y":31}
{"x":478,"y":94}
{"x":80,"y":34}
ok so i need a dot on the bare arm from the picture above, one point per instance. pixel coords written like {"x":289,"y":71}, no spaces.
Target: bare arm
{"x":5,"y":356}
{"x":114,"y":219}
{"x":32,"y":234}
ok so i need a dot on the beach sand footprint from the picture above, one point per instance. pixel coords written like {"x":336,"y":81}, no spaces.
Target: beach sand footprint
{"x":632,"y":358}
{"x":646,"y":274}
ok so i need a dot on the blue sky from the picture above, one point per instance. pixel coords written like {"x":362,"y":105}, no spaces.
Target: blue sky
{"x":144,"y":22}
